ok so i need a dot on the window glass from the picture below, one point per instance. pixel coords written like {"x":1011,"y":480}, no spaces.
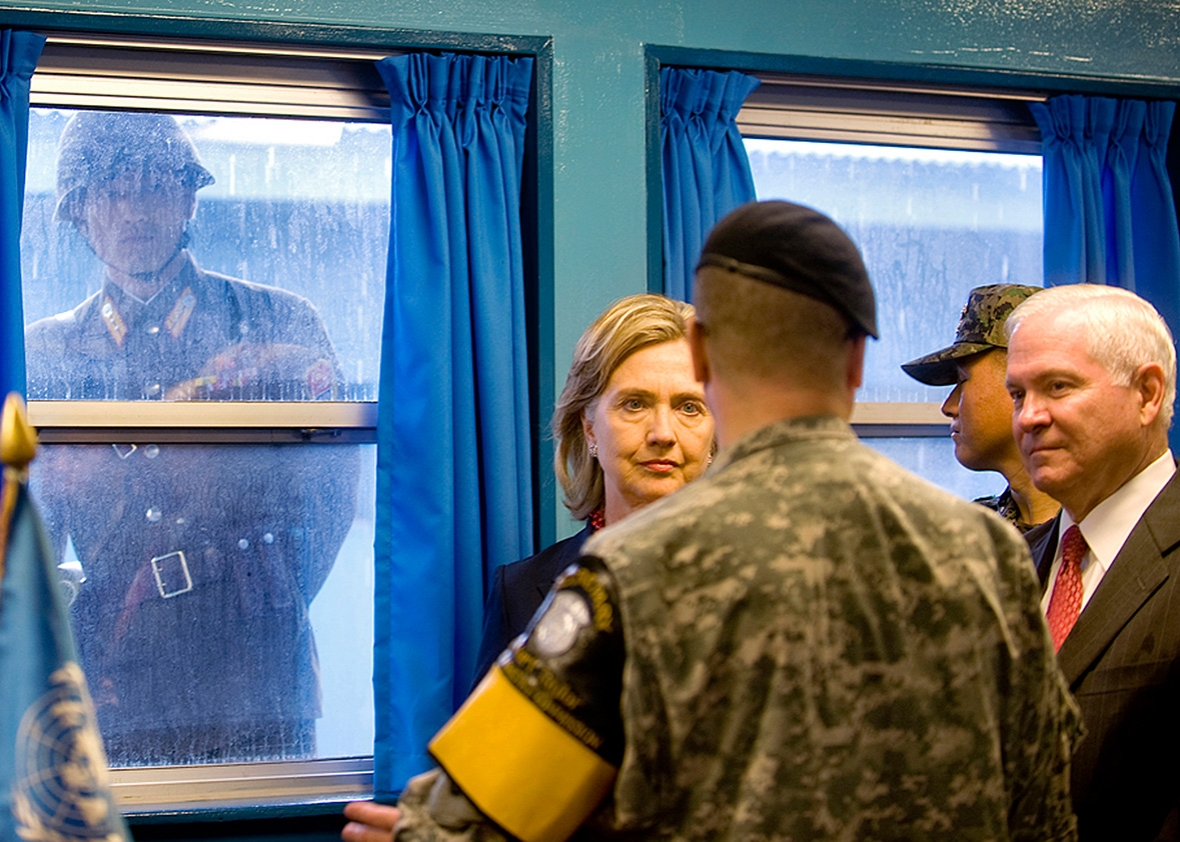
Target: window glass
{"x":220,"y":595}
{"x":934,"y":459}
{"x":298,"y":205}
{"x":221,"y":592}
{"x":931,"y":224}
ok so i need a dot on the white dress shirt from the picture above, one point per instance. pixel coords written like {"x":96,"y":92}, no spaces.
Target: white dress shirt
{"x":1107,"y":527}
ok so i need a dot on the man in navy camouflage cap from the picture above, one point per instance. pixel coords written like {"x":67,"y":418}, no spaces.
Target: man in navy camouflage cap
{"x":980,"y":407}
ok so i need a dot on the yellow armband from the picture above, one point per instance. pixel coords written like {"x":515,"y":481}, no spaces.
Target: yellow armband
{"x":537,"y":744}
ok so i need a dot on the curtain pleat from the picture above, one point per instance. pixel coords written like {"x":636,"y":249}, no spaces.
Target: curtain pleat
{"x":706,"y":170}
{"x":1109,"y":212}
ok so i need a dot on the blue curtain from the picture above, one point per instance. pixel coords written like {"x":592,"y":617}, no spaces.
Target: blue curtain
{"x":705,"y":168}
{"x":453,"y":453}
{"x":1110,"y":217}
{"x":19,"y":52}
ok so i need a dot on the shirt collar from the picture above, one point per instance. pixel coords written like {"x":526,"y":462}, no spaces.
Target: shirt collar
{"x":132,"y":305}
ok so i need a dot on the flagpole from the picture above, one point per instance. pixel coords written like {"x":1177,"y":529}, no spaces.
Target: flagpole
{"x":18,"y":447}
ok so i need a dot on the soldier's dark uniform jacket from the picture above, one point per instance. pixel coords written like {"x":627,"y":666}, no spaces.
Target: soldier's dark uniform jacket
{"x":820,"y":645}
{"x":1005,"y":506}
{"x":200,"y":565}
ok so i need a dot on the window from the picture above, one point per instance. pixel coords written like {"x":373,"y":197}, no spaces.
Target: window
{"x":203,"y":376}
{"x":941,"y":191}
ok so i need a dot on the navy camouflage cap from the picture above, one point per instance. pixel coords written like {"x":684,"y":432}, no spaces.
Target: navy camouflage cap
{"x":981,"y":328}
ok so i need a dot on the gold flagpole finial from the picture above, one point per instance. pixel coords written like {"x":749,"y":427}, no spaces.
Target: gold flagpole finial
{"x":18,"y":441}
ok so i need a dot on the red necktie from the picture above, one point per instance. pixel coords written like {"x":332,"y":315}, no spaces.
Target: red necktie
{"x":1066,"y":602}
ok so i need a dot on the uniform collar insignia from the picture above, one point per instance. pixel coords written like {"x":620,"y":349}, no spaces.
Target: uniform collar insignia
{"x":113,"y":320}
{"x":182,"y":310}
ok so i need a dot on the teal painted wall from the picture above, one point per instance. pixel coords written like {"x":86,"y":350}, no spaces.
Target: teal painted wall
{"x":600,"y":210}
{"x":599,"y":100}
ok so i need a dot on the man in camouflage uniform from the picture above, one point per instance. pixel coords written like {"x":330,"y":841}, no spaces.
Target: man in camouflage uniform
{"x":807,"y":643}
{"x":980,"y":407}
{"x":199,"y":564}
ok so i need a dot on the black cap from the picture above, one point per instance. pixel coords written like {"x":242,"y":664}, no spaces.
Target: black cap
{"x":796,"y":248}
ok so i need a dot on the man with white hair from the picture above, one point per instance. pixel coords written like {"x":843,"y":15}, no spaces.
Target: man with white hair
{"x":1092,"y":373}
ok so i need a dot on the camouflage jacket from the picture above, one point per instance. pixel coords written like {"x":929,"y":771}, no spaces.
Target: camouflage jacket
{"x":820,"y":645}
{"x":1005,"y":506}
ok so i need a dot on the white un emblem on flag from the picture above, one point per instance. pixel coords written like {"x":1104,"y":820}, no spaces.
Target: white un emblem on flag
{"x":60,"y":791}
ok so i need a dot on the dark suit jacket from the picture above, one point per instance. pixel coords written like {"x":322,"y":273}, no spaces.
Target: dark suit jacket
{"x":518,"y":590}
{"x":1122,"y":662}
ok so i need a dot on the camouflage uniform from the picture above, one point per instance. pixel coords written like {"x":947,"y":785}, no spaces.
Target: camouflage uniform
{"x":1004,"y":504}
{"x":819,"y":645}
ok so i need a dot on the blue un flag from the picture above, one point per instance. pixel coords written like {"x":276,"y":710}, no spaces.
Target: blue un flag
{"x":53,"y":772}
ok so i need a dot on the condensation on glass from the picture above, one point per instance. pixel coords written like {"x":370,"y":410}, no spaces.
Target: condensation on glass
{"x":934,"y":459}
{"x":931,"y":225}
{"x":220,"y":594}
{"x":297,"y":205}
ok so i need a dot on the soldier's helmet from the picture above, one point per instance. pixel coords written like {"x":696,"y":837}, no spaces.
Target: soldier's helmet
{"x":98,"y":146}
